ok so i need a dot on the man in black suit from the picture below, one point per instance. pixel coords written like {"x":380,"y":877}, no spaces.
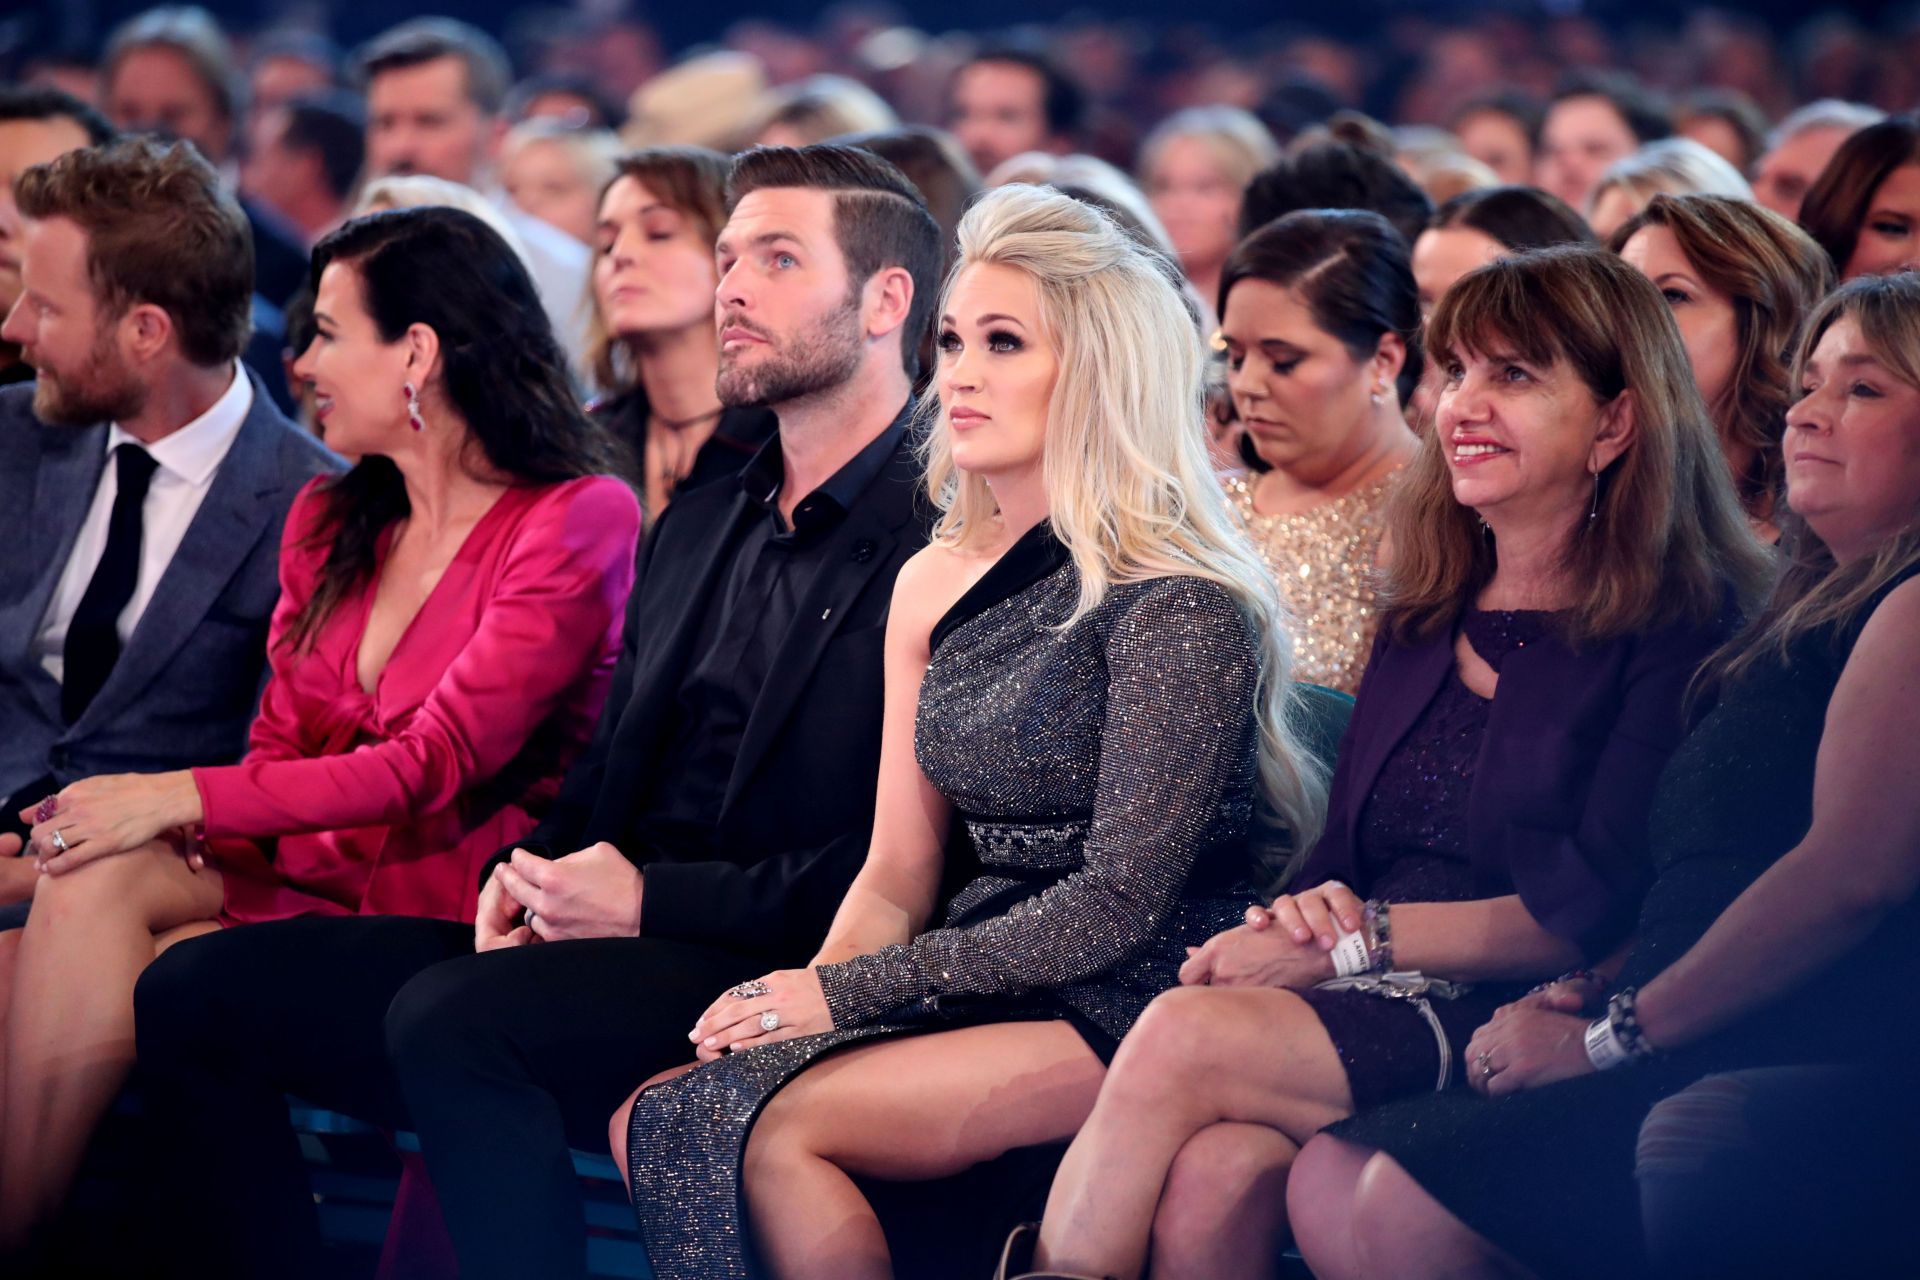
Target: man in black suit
{"x":708,"y":833}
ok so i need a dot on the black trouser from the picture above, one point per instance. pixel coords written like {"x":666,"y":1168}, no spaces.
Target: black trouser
{"x":498,"y":1061}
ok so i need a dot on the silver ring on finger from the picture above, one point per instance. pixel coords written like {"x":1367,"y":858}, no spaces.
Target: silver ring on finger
{"x":532,"y":919}
{"x":752,"y":990}
{"x":59,"y":841}
{"x":770,"y":1020}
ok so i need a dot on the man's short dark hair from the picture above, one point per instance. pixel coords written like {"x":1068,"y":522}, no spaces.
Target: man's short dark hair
{"x":161,"y":229}
{"x":1336,"y":175}
{"x":424,"y":40}
{"x":1644,"y":111}
{"x":879,"y":219}
{"x":43,"y":102}
{"x":191,"y":32}
{"x":333,"y":124}
{"x":1063,"y":101}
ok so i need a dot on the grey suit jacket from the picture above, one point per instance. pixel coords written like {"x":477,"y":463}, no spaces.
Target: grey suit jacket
{"x":186,"y":684}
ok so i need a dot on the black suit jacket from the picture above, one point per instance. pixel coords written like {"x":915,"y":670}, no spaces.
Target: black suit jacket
{"x":798,"y":810}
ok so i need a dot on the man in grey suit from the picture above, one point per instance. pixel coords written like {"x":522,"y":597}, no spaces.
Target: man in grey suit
{"x":147,"y":475}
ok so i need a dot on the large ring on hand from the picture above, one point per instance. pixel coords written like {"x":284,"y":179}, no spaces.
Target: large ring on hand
{"x":770,"y":1020}
{"x":1484,"y":1061}
{"x":48,"y":807}
{"x":59,"y":841}
{"x":747,"y":990}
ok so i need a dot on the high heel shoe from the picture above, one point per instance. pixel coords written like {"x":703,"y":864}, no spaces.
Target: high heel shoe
{"x":1016,"y":1260}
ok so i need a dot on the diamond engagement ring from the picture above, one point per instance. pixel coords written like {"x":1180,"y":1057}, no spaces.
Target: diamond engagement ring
{"x":59,"y":840}
{"x":770,"y":1021}
{"x":748,"y":990}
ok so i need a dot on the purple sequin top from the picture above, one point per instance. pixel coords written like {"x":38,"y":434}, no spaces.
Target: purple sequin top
{"x":1412,"y":837}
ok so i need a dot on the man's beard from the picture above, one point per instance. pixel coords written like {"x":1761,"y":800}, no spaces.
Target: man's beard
{"x":101,"y":390}
{"x":825,"y":356}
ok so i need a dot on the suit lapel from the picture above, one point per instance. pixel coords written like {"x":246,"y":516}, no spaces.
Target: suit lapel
{"x":63,"y":489}
{"x":224,"y":531}
{"x":64,"y":481}
{"x":681,"y":577}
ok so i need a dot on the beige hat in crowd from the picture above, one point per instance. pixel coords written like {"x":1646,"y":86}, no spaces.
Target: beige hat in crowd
{"x":713,"y":100}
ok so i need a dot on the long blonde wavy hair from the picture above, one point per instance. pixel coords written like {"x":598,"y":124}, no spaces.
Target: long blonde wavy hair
{"x":1131,"y":491}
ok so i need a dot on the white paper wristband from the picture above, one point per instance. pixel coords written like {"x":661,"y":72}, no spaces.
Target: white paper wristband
{"x":1350,"y":955}
{"x":1604,"y":1049}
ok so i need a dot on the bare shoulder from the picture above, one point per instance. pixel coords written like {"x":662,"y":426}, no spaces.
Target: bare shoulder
{"x":1889,"y":644}
{"x":929,"y":584}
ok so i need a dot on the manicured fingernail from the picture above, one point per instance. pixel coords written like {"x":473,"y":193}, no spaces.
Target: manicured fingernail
{"x":711,"y":1041}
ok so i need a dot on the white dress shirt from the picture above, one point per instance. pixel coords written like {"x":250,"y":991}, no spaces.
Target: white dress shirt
{"x":185,"y":462}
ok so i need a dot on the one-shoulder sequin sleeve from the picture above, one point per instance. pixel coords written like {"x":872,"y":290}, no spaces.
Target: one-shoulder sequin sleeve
{"x":1176,"y":739}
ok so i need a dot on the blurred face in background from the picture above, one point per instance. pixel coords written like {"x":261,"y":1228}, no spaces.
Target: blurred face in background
{"x":1581,"y":137}
{"x":420,"y":120}
{"x":546,"y":179}
{"x":1197,"y":201}
{"x":999,"y":111}
{"x":280,"y":79}
{"x":1498,"y":141}
{"x":1443,"y":254}
{"x":1781,"y":179}
{"x":23,"y":144}
{"x":157,"y":90}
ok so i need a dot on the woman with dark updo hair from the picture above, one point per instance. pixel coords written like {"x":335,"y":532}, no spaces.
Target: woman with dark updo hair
{"x":448,"y":622}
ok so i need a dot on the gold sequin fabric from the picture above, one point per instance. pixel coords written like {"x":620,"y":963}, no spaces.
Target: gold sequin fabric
{"x":1105,"y":773}
{"x":1323,"y":560}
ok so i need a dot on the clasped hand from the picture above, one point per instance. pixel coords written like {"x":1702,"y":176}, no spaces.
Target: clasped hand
{"x":1537,"y":1040}
{"x":595,"y":893}
{"x":1283,"y":945}
{"x":112,"y":813}
{"x":738,"y":1020}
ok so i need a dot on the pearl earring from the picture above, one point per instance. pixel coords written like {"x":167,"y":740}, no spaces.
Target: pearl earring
{"x":414,"y":419}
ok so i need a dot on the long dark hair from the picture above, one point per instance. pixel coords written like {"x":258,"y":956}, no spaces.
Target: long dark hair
{"x":1839,"y":199}
{"x":500,"y":366}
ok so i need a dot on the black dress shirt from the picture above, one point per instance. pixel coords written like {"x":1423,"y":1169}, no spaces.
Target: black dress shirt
{"x":771,"y":567}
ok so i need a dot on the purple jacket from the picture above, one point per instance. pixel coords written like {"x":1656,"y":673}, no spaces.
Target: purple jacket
{"x":1575,"y":742}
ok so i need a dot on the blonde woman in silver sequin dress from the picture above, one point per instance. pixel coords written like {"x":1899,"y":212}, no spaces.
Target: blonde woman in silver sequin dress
{"x":1321,"y":320}
{"x":1087,"y":676}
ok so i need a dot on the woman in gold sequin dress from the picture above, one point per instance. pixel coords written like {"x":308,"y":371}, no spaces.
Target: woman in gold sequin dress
{"x":1321,"y":320}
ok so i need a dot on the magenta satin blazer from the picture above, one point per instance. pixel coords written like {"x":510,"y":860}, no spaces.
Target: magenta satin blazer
{"x":388,"y":803}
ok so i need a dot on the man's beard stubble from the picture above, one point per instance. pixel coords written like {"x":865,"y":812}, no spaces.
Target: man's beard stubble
{"x":101,"y":390}
{"x":823,"y":357}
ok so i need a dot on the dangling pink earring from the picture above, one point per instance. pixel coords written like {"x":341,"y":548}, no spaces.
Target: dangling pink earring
{"x":414,"y":419}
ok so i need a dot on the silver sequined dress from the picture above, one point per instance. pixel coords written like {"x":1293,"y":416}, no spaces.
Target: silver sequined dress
{"x":1105,"y":774}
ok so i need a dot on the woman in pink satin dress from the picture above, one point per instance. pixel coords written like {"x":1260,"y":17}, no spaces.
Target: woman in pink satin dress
{"x":449,"y":617}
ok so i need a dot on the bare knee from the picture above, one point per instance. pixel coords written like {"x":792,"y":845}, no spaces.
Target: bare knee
{"x":1400,"y":1229}
{"x":1171,"y":1050}
{"x":1227,"y":1183}
{"x":87,"y":892}
{"x":1320,"y":1196}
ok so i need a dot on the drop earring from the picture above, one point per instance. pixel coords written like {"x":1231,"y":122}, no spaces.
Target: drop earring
{"x":414,"y":419}
{"x":1593,"y":508}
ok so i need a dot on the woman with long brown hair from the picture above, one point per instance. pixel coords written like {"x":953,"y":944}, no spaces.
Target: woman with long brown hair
{"x":1740,"y":280}
{"x":1567,"y":549}
{"x":1864,"y":209}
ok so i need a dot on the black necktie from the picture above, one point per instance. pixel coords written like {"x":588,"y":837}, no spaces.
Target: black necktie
{"x":93,"y":637}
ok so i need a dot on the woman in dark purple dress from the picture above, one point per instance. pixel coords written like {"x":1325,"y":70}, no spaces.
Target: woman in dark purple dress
{"x":1780,"y":930}
{"x":1565,"y":552}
